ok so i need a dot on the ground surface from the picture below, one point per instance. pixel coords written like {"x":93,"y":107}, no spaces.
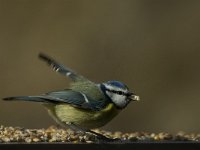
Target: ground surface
{"x":53,"y":134}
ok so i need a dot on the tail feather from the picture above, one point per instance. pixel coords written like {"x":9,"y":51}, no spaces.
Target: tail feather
{"x":26,"y":98}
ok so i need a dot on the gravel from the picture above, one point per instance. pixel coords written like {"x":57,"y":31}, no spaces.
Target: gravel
{"x":54,"y":134}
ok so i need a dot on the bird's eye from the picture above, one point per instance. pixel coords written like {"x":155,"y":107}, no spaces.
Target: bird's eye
{"x":120,"y":92}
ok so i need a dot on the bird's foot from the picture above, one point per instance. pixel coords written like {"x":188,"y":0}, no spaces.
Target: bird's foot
{"x":99,"y":138}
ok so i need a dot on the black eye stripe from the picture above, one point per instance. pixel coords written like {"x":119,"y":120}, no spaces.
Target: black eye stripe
{"x":118,"y":92}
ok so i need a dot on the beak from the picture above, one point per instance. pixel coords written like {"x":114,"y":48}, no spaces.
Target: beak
{"x":134,"y":97}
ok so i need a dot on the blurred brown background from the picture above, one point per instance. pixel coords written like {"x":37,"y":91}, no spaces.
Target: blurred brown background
{"x":151,"y":45}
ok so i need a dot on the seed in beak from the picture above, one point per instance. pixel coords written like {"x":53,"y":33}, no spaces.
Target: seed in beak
{"x":135,"y":98}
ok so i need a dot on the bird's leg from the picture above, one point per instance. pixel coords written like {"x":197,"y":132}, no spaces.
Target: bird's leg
{"x":59,"y":126}
{"x":100,"y":137}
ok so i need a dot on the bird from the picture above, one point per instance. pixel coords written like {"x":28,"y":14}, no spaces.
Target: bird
{"x":85,"y":105}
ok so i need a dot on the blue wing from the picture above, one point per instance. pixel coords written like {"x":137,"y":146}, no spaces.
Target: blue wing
{"x":61,"y":68}
{"x":77,"y":99}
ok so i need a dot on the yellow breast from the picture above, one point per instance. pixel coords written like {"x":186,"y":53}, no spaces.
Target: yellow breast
{"x":83,"y":118}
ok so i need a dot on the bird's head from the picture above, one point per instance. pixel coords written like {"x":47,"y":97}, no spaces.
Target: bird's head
{"x":118,"y":93}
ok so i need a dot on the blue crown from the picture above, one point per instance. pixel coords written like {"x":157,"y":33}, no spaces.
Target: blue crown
{"x":117,"y":84}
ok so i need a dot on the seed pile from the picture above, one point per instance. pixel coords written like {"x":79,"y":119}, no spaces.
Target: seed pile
{"x":53,"y":134}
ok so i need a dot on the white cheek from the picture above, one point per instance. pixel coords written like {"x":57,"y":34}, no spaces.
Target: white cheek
{"x":119,"y":99}
{"x":109,"y":94}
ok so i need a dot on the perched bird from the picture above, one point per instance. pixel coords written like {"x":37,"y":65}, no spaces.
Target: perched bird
{"x":85,"y":105}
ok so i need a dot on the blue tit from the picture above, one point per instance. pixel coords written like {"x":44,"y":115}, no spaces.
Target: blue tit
{"x":85,"y":105}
